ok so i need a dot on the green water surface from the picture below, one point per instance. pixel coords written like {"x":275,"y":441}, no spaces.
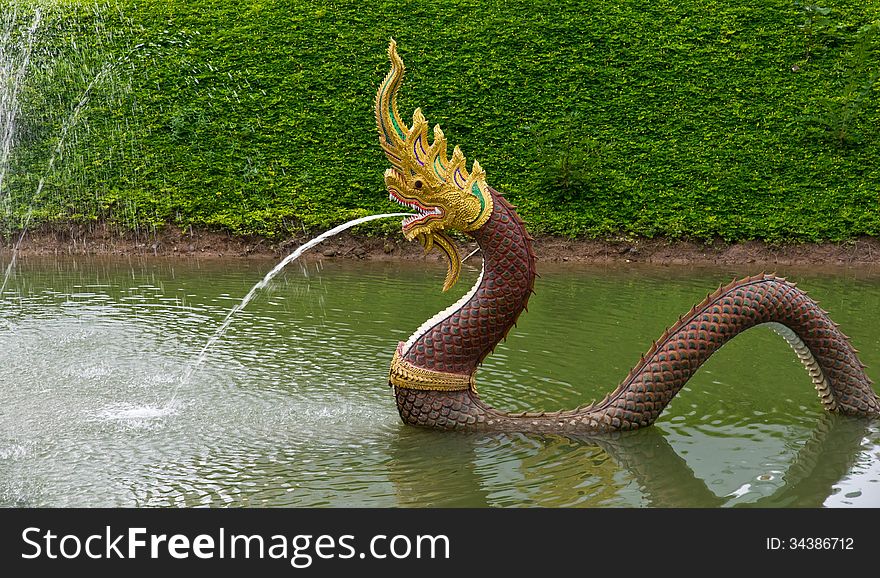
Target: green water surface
{"x":292,"y":408}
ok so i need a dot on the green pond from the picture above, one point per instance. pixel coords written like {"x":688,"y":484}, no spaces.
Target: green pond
{"x":291,"y":406}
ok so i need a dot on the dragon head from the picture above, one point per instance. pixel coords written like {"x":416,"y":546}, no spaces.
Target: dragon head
{"x":444,"y":193}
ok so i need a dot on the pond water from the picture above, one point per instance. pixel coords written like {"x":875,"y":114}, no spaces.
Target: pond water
{"x":292,"y":408}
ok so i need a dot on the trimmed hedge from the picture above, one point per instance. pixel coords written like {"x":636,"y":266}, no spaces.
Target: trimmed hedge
{"x":753,"y":119}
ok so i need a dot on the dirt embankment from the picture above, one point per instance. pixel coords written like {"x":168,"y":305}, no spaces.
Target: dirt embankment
{"x":171,"y":242}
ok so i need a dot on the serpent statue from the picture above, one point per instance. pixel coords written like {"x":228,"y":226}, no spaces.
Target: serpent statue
{"x":433,"y":373}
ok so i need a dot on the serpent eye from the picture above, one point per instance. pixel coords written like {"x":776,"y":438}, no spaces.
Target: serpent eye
{"x":418,"y":184}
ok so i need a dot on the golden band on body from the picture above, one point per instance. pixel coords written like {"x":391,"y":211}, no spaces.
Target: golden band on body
{"x":406,"y":375}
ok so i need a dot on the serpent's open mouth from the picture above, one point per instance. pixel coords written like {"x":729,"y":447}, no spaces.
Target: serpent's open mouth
{"x":423,"y":214}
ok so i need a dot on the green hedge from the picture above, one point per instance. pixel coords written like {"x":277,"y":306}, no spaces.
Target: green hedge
{"x":751,"y":119}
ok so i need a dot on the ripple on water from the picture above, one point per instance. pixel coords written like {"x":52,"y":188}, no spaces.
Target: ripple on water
{"x":127,"y":413}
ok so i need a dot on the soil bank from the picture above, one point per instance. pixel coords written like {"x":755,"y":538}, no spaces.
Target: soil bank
{"x":171,"y":242}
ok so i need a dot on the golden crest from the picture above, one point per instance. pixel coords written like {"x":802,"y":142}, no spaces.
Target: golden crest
{"x":442,"y":190}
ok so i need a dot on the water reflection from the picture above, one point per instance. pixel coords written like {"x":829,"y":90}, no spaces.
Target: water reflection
{"x":627,"y":468}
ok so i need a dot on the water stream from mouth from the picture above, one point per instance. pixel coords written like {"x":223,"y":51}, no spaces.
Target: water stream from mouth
{"x":227,"y":321}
